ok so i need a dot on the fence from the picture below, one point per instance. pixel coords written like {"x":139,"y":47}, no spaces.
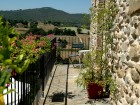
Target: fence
{"x":65,"y":47}
{"x":29,"y":87}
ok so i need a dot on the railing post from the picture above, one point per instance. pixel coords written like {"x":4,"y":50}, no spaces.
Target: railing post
{"x":42,"y":73}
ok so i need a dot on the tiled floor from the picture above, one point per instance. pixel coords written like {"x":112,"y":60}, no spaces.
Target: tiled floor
{"x":76,"y":95}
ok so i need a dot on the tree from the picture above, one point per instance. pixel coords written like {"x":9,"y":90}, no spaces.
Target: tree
{"x":79,"y":30}
{"x":38,"y":31}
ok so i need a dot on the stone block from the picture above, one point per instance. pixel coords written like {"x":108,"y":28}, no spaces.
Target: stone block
{"x":137,"y":66}
{"x":133,"y":52}
{"x":130,"y":64}
{"x":131,"y":39}
{"x":132,"y":30}
{"x":133,"y":99}
{"x":136,"y":89}
{"x":134,"y":5}
{"x":124,"y":46}
{"x":128,"y":99}
{"x":135,"y":75}
{"x":128,"y":78}
{"x":120,"y":73}
{"x":138,"y":28}
{"x":135,"y":59}
{"x":134,"y":19}
{"x":138,"y":101}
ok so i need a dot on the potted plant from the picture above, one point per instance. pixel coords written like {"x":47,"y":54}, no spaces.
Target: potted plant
{"x":95,"y":75}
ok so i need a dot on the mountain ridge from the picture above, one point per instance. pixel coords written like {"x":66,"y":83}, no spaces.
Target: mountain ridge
{"x":43,"y":14}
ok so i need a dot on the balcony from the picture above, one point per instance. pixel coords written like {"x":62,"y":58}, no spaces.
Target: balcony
{"x":51,"y":81}
{"x":29,"y":86}
{"x":62,"y":88}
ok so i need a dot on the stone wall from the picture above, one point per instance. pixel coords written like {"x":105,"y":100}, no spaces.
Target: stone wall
{"x":126,"y":52}
{"x":93,"y":34}
{"x":93,"y":26}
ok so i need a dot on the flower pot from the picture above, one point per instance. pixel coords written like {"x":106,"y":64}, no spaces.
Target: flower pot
{"x":1,"y":100}
{"x":94,"y":91}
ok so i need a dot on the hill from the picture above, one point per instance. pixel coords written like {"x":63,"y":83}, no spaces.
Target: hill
{"x":44,"y":14}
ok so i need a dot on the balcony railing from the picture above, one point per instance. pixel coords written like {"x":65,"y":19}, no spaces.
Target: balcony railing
{"x":29,"y":87}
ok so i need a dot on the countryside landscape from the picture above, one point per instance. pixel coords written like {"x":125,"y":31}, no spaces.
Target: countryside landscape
{"x":47,"y":20}
{"x":57,"y":53}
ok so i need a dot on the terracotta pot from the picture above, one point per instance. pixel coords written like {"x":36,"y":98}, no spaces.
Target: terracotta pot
{"x":1,"y":100}
{"x":95,"y":91}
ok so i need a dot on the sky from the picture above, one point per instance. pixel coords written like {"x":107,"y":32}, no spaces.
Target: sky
{"x":70,"y":6}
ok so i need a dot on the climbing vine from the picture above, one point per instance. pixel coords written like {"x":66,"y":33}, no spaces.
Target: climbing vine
{"x":103,"y":15}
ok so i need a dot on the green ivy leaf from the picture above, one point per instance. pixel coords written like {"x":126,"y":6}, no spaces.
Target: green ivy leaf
{"x":25,"y":65}
{"x":19,"y":58}
{"x":1,"y":56}
{"x":8,"y":61}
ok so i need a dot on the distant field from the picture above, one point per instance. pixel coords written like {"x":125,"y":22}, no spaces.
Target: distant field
{"x":46,"y":27}
{"x":75,"y":29}
{"x":22,"y":30}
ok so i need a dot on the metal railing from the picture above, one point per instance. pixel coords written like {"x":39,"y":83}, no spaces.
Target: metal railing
{"x":29,"y":87}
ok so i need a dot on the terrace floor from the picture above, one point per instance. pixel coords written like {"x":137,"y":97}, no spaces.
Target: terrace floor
{"x":62,"y":80}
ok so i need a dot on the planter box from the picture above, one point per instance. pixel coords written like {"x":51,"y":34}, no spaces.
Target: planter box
{"x":94,"y":91}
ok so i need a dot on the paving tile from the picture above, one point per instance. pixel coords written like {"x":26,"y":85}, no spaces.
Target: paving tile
{"x":76,"y":95}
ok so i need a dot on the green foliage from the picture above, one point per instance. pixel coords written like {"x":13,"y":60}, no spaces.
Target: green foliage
{"x":14,"y":22}
{"x":33,"y":25}
{"x":44,"y":14}
{"x":4,"y":79}
{"x":57,"y":31}
{"x":7,"y":36}
{"x":62,"y":43}
{"x":96,"y":68}
{"x":30,"y":47}
{"x":86,"y":21}
{"x":36,"y":31}
{"x":16,"y":54}
{"x":79,"y":30}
